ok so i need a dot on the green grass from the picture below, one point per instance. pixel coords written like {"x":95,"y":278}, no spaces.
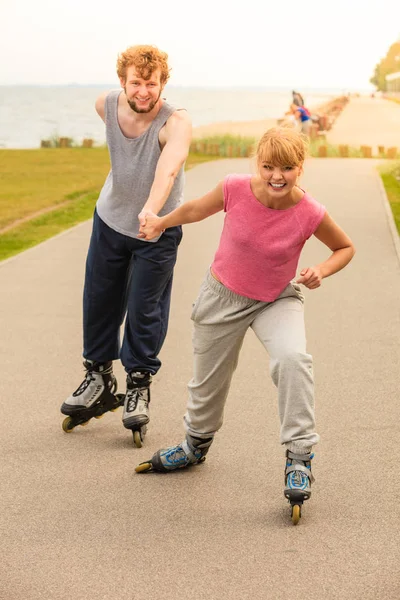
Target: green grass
{"x":239,"y":144}
{"x":332,"y":150}
{"x":45,"y":226}
{"x":391,"y":180}
{"x":34,"y":180}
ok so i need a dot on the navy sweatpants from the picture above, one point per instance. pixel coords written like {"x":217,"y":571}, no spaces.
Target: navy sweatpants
{"x":127,"y":276}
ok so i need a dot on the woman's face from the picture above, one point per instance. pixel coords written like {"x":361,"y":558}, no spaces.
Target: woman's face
{"x":279,"y":180}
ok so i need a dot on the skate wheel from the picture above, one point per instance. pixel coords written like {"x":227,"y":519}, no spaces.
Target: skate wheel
{"x":296,"y":514}
{"x":115,"y":408}
{"x":137,"y":439}
{"x":98,"y":416}
{"x":84,"y":423}
{"x":143,"y":467}
{"x":67,"y":425}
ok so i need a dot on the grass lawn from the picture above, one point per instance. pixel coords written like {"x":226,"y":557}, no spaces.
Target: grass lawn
{"x":69,"y":180}
{"x":34,"y":180}
{"x":391,"y":180}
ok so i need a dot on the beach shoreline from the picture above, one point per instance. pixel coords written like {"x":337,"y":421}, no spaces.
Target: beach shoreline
{"x":69,"y":111}
{"x":241,"y":128}
{"x":251,"y":128}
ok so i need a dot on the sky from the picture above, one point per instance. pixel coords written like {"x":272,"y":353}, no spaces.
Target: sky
{"x":292,"y":44}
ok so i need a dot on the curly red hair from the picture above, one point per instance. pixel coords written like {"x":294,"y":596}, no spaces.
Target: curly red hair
{"x":145,"y":59}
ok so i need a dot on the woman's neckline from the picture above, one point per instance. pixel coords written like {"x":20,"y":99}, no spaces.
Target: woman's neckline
{"x":275,"y":209}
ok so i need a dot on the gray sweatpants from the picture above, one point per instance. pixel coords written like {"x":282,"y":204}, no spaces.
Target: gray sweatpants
{"x":221,"y":319}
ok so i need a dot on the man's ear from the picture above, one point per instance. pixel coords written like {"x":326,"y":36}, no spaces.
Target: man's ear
{"x":122,"y":82}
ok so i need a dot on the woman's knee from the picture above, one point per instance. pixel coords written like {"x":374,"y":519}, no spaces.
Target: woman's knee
{"x":291,"y":361}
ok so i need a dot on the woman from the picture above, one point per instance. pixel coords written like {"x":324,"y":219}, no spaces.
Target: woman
{"x":251,"y":283}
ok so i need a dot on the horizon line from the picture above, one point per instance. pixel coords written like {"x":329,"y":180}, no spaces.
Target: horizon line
{"x":204,"y":86}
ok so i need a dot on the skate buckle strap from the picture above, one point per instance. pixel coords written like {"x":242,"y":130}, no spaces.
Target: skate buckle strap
{"x":296,"y":456}
{"x":297,"y":467}
{"x":137,"y":376}
{"x":189,"y":452}
{"x":93,"y":366}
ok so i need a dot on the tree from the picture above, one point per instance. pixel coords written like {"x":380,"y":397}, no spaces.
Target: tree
{"x":389,"y":64}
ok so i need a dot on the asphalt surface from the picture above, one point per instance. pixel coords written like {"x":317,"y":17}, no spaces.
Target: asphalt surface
{"x":370,"y":122}
{"x":77,"y":522}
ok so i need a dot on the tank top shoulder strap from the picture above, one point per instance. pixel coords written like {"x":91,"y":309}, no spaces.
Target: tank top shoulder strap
{"x":110,"y":106}
{"x":163,"y":115}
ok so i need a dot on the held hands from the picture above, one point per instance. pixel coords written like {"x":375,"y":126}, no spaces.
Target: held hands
{"x":311,"y":277}
{"x":150,"y":225}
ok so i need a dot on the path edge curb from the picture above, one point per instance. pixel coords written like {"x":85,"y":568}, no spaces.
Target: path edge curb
{"x":390,"y":217}
{"x":50,"y":239}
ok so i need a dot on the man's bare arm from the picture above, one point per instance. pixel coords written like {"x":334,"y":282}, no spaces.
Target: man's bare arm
{"x":100,"y":104}
{"x":178,"y":135}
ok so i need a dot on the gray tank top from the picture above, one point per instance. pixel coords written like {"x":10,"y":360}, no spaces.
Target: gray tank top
{"x":133,"y":164}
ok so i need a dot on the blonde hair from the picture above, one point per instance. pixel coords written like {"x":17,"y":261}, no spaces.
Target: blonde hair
{"x":282,"y":146}
{"x":145,"y":59}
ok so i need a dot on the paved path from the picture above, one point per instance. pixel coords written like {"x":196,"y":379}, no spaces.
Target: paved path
{"x":78,"y":523}
{"x":364,"y":121}
{"x":368,"y":121}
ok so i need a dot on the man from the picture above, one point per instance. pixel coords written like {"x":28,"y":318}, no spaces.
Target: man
{"x":148,"y":142}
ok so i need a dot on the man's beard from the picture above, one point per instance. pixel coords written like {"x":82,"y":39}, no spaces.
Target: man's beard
{"x":136,"y":108}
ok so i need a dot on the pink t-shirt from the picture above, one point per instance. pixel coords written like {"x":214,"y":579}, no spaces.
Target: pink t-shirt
{"x":260,"y":247}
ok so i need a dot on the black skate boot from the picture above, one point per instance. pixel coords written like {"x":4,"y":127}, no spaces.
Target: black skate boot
{"x":298,"y":479}
{"x":94,"y":397}
{"x":136,"y":405}
{"x":193,"y":450}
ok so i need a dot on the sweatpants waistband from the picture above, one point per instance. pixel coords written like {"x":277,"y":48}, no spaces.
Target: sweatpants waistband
{"x":222,"y":291}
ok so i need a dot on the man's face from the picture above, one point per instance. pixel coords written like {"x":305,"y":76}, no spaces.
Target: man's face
{"x":142,"y":94}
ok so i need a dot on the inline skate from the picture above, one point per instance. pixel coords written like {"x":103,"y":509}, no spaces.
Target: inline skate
{"x":298,"y":479}
{"x":94,"y":397}
{"x":136,"y":414}
{"x":192,"y":451}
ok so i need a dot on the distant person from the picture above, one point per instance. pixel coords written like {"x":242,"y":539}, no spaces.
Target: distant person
{"x":252,"y":283}
{"x":303,"y":116}
{"x":148,"y":141}
{"x":297,"y":98}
